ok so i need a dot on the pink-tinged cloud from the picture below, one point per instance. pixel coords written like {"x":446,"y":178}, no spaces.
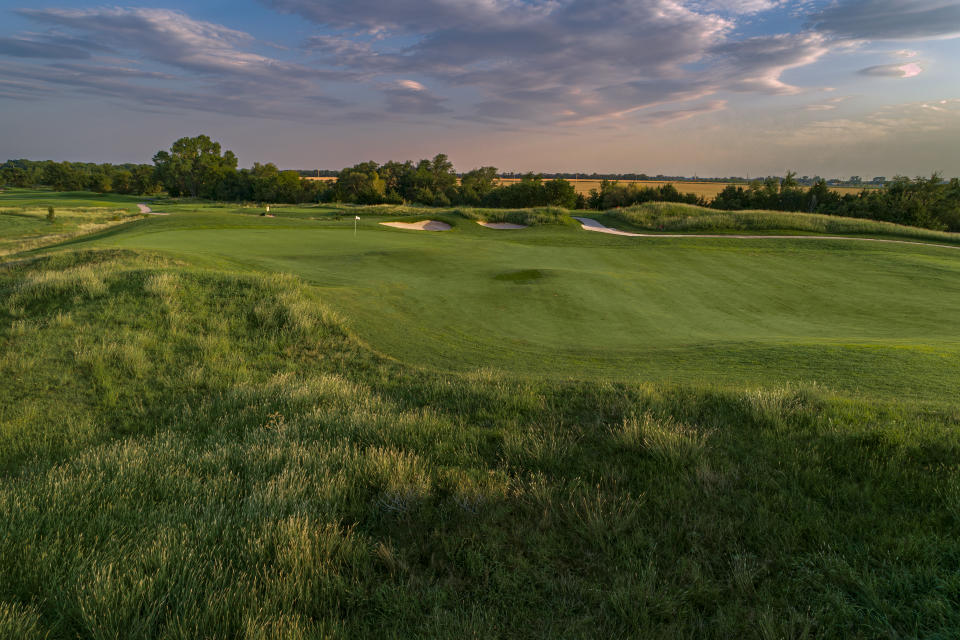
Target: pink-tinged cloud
{"x":908,"y":70}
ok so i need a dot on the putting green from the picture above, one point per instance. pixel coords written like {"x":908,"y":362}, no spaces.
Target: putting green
{"x":562,"y":302}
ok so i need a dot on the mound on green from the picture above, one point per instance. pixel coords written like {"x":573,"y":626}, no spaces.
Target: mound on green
{"x":199,"y":452}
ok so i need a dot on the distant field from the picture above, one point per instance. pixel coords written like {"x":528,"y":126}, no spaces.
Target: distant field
{"x":708,"y":190}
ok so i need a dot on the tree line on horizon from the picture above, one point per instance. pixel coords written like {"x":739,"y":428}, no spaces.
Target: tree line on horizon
{"x":198,"y":168}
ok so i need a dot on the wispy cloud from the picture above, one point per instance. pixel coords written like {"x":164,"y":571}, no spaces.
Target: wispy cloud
{"x":499,"y":62}
{"x":566,"y":61}
{"x":897,"y":70}
{"x":890,"y":19}
{"x":209,"y":66}
{"x":828,"y":105}
{"x":904,"y":119}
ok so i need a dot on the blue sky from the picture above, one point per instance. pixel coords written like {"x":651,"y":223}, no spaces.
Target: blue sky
{"x":708,"y":87}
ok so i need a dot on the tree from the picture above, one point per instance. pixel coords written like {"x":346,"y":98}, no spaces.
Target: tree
{"x":193,"y":166}
{"x":361,"y":183}
{"x":13,"y":176}
{"x":288,"y":187}
{"x":144,"y":180}
{"x":561,"y":193}
{"x":476,"y":184}
{"x":62,"y":176}
{"x":100,"y":179}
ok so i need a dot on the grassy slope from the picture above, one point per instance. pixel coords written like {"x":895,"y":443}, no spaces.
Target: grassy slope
{"x":189,"y":448}
{"x":189,"y":452}
{"x":23,"y":217}
{"x":679,"y":218}
{"x":851,"y":316}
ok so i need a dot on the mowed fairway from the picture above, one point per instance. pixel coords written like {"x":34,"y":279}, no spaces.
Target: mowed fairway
{"x":557,"y":302}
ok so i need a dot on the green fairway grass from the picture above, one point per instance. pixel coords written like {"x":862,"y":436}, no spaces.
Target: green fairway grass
{"x":874,"y":319}
{"x":221,"y":425}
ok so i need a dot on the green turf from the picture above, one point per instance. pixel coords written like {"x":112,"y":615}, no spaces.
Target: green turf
{"x":226,"y":426}
{"x":42,"y":198}
{"x":869,"y":318}
{"x":24,"y":224}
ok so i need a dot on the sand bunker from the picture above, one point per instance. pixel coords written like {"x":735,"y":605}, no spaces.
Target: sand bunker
{"x":592,"y":225}
{"x":423,"y":225}
{"x":144,"y":209}
{"x":500,"y":225}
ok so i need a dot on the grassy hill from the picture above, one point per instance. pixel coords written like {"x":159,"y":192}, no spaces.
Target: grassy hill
{"x":222,"y":425}
{"x":676,"y":217}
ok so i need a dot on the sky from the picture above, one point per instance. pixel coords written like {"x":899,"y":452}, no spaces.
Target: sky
{"x":677,"y":87}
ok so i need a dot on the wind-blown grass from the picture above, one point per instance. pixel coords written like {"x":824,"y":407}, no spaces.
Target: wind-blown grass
{"x":195,"y":453}
{"x":26,"y":228}
{"x":528,"y":217}
{"x":676,"y":217}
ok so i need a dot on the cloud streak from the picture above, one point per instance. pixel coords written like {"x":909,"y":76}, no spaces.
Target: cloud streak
{"x":202,"y":66}
{"x":908,"y":70}
{"x":500,"y":63}
{"x":890,"y":19}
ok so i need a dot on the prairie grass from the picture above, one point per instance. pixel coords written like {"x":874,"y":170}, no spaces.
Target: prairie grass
{"x":677,"y":217}
{"x":26,"y":228}
{"x":197,"y":453}
{"x":528,"y":217}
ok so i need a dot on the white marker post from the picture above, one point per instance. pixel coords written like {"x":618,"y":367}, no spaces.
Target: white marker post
{"x":355,"y":218}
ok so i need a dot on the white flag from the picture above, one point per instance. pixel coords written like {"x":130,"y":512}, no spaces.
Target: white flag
{"x":357,"y":217}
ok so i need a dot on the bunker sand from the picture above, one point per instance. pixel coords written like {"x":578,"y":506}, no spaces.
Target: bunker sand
{"x":589,"y":224}
{"x":500,"y":225}
{"x":423,"y":225}
{"x":144,"y":209}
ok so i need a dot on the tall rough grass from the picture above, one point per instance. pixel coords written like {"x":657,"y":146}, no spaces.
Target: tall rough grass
{"x":665,"y":216}
{"x":27,"y":228}
{"x":528,"y":217}
{"x":208,"y":454}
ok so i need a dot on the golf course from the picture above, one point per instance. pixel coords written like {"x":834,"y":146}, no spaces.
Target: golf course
{"x":219,"y":423}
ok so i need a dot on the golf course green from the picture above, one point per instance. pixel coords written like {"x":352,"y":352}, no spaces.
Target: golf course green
{"x":555,"y":301}
{"x":218,"y":424}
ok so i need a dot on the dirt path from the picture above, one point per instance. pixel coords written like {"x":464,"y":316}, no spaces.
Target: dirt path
{"x":590,"y":224}
{"x":144,"y":209}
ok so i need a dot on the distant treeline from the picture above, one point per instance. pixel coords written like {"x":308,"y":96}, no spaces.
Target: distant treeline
{"x":932,"y":203}
{"x":136,"y":179}
{"x":434,"y":182}
{"x":195,"y":167}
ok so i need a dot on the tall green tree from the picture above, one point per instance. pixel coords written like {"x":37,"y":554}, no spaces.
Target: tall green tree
{"x":194,"y":167}
{"x":476,"y":184}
